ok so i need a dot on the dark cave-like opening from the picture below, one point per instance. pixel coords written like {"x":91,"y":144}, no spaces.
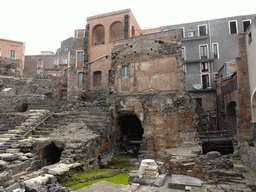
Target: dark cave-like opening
{"x":52,"y":154}
{"x":224,"y":147}
{"x":131,"y":132}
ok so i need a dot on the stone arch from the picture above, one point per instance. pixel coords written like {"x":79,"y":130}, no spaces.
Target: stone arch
{"x":129,"y":123}
{"x":98,"y":35}
{"x":231,"y":120}
{"x":116,"y":31}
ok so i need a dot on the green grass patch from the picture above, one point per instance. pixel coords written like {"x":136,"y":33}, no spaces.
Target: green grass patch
{"x":121,"y":178}
{"x":81,"y":177}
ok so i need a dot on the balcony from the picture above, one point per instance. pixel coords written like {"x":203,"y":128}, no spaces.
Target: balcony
{"x":195,"y":35}
{"x":199,"y":87}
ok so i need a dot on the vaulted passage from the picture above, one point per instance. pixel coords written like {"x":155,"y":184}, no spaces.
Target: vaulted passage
{"x":51,"y":154}
{"x":131,"y":132}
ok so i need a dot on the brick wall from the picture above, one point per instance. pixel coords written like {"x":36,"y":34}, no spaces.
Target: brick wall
{"x":243,"y":87}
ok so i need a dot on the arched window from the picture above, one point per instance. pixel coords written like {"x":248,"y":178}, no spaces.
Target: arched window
{"x":133,"y":31}
{"x":116,"y":31}
{"x":80,"y":79}
{"x":98,"y":35}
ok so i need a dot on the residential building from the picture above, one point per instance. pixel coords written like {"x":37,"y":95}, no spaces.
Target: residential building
{"x":14,"y":50}
{"x":206,"y":47}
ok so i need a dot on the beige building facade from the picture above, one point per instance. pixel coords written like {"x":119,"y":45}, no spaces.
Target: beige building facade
{"x":14,"y":50}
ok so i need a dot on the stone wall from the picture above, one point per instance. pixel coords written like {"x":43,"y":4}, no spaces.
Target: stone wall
{"x":8,"y":67}
{"x":154,"y":63}
{"x":167,"y":119}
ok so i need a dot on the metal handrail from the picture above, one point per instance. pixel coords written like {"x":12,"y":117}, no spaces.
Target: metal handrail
{"x":43,"y":119}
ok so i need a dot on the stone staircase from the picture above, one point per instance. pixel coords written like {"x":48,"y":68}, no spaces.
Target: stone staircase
{"x":95,"y":116}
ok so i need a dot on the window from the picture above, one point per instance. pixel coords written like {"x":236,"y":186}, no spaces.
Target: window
{"x":204,"y":67}
{"x":216,"y":76}
{"x":205,"y":81}
{"x":40,"y":64}
{"x":246,"y":24}
{"x":215,"y":50}
{"x":66,"y":48}
{"x":80,"y":80}
{"x":66,"y":72}
{"x":56,"y":61}
{"x":199,"y":101}
{"x":232,"y":27}
{"x":203,"y":51}
{"x":183,"y":32}
{"x":80,"y":55}
{"x":249,"y":37}
{"x":65,"y":61}
{"x":183,"y":53}
{"x":184,"y":67}
{"x":12,"y":54}
{"x":202,"y":30}
{"x":125,"y":72}
{"x":97,"y":79}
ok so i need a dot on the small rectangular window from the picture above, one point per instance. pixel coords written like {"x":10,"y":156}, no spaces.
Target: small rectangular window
{"x":12,"y":54}
{"x":215,"y":51}
{"x":246,"y":24}
{"x":56,"y":61}
{"x":249,"y":37}
{"x":199,"y":101}
{"x":203,"y":51}
{"x":183,"y":53}
{"x":40,"y":64}
{"x":80,"y":55}
{"x":125,"y":72}
{"x":202,"y":30}
{"x":66,"y":72}
{"x":80,"y":79}
{"x":66,"y":48}
{"x":65,"y":61}
{"x":204,"y":67}
{"x":232,"y":27}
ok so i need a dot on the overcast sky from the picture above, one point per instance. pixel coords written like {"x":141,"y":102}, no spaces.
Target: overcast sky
{"x":43,"y":24}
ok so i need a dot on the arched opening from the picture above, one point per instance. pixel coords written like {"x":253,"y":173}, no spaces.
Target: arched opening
{"x":23,"y":107}
{"x":231,"y":117}
{"x":51,"y":154}
{"x":131,"y":132}
{"x":133,"y":31}
{"x":98,"y":35}
{"x":116,"y":31}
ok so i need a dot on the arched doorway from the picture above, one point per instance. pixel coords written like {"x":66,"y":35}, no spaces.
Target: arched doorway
{"x":131,"y":132}
{"x":231,"y":117}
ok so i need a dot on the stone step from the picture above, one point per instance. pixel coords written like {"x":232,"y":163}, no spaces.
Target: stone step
{"x":44,"y":129}
{"x":41,"y":132}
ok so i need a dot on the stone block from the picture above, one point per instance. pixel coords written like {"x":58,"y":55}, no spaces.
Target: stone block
{"x":23,"y":158}
{"x":12,"y":151}
{"x":181,"y":181}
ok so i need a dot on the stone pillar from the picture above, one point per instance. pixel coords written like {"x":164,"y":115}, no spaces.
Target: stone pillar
{"x":126,"y":26}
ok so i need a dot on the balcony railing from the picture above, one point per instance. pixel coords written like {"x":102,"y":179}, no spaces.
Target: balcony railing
{"x":199,"y":87}
{"x":195,"y":34}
